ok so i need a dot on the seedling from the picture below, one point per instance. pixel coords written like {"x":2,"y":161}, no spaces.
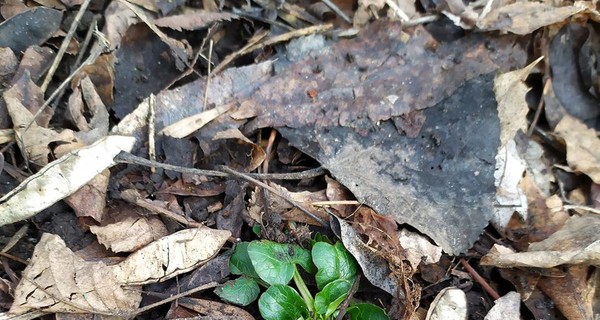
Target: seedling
{"x":273,"y":265}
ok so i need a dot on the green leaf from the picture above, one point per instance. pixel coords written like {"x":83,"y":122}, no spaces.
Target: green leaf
{"x":275,"y":262}
{"x":329,"y":298}
{"x":241,"y":291}
{"x":240,"y":263}
{"x":256,"y":229}
{"x":281,"y":302}
{"x":366,"y":311}
{"x":334,"y":262}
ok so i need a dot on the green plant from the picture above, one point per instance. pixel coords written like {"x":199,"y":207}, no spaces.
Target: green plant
{"x":273,"y":265}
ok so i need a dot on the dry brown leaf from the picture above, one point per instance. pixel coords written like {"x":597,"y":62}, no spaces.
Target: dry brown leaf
{"x":34,"y":143}
{"x":57,"y":280}
{"x":130,"y":233}
{"x":337,"y":192}
{"x":215,"y":309}
{"x":102,"y":74}
{"x":31,"y":96}
{"x":170,"y":256}
{"x":573,"y":292}
{"x":577,"y":242}
{"x":187,"y":126}
{"x":90,"y":200}
{"x":524,"y":17}
{"x":194,"y":20}
{"x":510,"y":90}
{"x":289,"y":212}
{"x":583,"y":146}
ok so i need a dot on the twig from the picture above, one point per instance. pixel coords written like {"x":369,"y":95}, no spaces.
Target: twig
{"x":151,"y":130}
{"x":64,"y":45}
{"x":128,"y":158}
{"x":270,"y":41}
{"x":540,"y":107}
{"x":336,"y":203}
{"x":420,"y":20}
{"x":175,"y":297}
{"x":344,"y":305}
{"x":208,"y":74}
{"x":337,"y":10}
{"x":579,"y":207}
{"x":15,"y":238}
{"x":134,"y":197}
{"x":82,"y":50}
{"x":480,"y":280}
{"x":96,"y":51}
{"x":399,"y":12}
{"x":275,"y":192}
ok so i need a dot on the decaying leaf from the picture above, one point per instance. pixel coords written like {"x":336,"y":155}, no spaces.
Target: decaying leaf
{"x":450,"y":303}
{"x":187,"y":126}
{"x":61,"y":178}
{"x":583,"y":146}
{"x":510,"y":90}
{"x":57,"y":280}
{"x":506,"y":308}
{"x":90,"y":199}
{"x":31,"y":27}
{"x":577,"y":242}
{"x":170,"y":256}
{"x":509,"y":196}
{"x":130,"y":233}
{"x":524,"y":17}
{"x":193,"y":20}
{"x":34,"y":140}
{"x":214,"y":309}
{"x":374,"y":267}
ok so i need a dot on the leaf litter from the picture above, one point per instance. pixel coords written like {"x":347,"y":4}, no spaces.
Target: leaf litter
{"x":457,"y":165}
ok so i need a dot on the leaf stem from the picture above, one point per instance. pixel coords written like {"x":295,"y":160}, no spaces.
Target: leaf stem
{"x":304,"y":292}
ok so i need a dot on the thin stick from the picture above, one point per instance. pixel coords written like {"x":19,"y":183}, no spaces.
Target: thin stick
{"x":128,"y":158}
{"x":96,"y":51}
{"x":64,"y":45}
{"x":275,"y":192}
{"x":208,"y":74}
{"x":540,"y":107}
{"x":578,"y":207}
{"x":337,"y":10}
{"x":479,"y":279}
{"x":420,"y":20}
{"x":151,"y":131}
{"x":336,"y":203}
{"x":255,"y":43}
{"x":175,"y":297}
{"x":399,"y":12}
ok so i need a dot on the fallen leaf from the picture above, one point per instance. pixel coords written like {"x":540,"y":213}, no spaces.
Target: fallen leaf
{"x":505,"y":308}
{"x":31,"y":27}
{"x":574,"y":293}
{"x":187,"y":126}
{"x":130,"y":233}
{"x":577,"y":242}
{"x":90,"y":199}
{"x":375,"y":268}
{"x":583,"y":146}
{"x":450,"y":303}
{"x":61,"y":178}
{"x":57,"y":280}
{"x":214,"y":309}
{"x":510,"y":90}
{"x":194,"y":20}
{"x":524,"y":17}
{"x":170,"y":256}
